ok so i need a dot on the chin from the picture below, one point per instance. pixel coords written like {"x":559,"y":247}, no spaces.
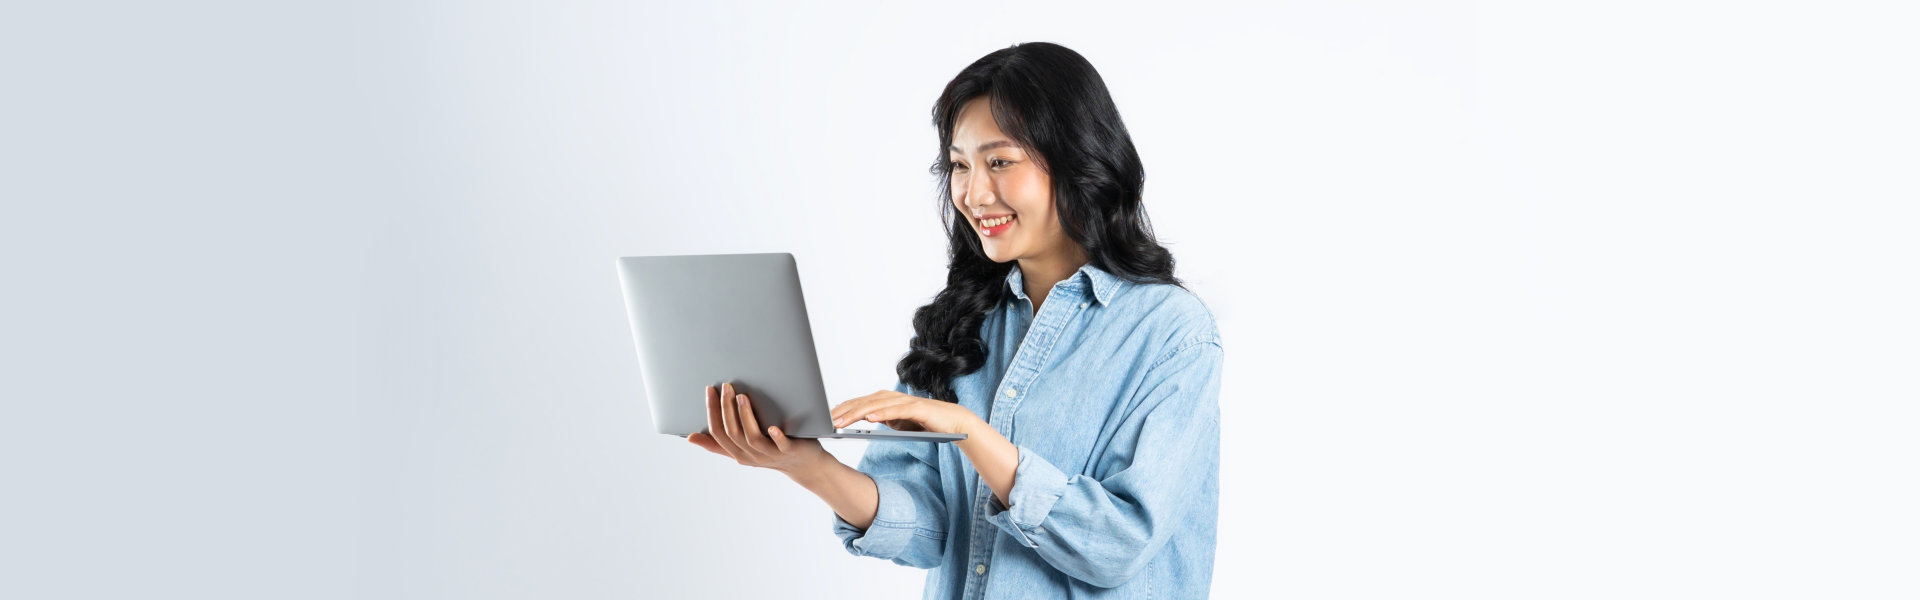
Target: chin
{"x":999,"y":254}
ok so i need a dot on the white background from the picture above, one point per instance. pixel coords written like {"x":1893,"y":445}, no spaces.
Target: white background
{"x":1593,"y":300}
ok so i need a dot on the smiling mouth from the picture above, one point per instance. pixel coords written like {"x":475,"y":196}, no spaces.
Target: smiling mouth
{"x":994,"y":227}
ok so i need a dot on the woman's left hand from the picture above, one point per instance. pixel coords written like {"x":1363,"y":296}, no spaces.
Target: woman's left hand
{"x":907,"y":413}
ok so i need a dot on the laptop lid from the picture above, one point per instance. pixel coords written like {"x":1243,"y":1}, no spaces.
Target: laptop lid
{"x":702,"y":320}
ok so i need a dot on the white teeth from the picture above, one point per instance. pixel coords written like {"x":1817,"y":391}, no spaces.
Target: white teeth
{"x":996,"y":222}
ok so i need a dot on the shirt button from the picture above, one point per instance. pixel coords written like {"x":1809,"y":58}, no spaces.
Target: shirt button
{"x":980,"y":569}
{"x":1013,"y":393}
{"x":1083,"y":305}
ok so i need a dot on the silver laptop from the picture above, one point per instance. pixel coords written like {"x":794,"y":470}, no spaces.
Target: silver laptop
{"x":701,"y":320}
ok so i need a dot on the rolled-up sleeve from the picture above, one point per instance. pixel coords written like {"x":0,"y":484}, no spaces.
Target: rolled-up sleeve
{"x":910,"y":526}
{"x":1104,"y":531}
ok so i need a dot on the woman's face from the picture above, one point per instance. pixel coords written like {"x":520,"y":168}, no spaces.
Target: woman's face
{"x":1001,"y":190}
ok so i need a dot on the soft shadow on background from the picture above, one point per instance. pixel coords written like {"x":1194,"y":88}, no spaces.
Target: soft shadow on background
{"x":318,"y":300}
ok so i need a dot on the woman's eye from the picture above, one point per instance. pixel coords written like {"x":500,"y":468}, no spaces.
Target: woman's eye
{"x":956,"y":166}
{"x":1000,"y":162}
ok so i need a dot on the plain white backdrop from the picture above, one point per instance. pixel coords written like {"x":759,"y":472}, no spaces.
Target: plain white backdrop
{"x":1579,"y":300}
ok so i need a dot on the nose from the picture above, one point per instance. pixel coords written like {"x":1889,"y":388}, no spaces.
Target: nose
{"x":979,"y":190}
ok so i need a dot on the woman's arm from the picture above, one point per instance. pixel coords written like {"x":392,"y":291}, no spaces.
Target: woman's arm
{"x":1100,"y":531}
{"x":851,"y":493}
{"x":1104,"y":531}
{"x":992,"y":454}
{"x":890,"y":508}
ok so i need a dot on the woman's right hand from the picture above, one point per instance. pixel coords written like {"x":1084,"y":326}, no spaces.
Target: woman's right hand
{"x":733,"y":432}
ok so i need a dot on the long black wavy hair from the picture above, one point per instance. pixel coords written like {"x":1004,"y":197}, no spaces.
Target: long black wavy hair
{"x":1052,"y":102}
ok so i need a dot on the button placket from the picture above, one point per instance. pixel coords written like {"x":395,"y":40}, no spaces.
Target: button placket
{"x":1040,"y":331}
{"x":981,"y":542}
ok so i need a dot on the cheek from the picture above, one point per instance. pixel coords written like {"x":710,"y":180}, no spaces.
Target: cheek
{"x":1035,"y":199}
{"x":1033,"y":192}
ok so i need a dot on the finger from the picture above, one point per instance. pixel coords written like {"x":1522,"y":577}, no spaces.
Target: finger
{"x":859,"y":413}
{"x":905,"y":411}
{"x":852,"y":410}
{"x":885,"y":414}
{"x":848,"y":406}
{"x":716,"y":430}
{"x":779,"y":439}
{"x":730,"y":417}
{"x":751,"y":426}
{"x":706,"y":441}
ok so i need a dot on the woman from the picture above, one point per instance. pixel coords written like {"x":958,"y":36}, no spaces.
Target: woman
{"x":1084,"y":376}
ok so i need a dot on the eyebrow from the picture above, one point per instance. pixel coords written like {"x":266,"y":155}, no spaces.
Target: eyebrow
{"x":985,"y":147}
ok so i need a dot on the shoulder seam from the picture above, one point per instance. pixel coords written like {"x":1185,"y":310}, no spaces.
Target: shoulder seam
{"x":1208,"y":338}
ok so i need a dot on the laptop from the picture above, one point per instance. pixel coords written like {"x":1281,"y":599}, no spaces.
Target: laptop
{"x":701,"y":320}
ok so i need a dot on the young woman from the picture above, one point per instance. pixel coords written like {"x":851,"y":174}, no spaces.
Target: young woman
{"x":1085,"y":377}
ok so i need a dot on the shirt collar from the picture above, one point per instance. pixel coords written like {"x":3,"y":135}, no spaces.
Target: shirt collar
{"x":1104,"y":284}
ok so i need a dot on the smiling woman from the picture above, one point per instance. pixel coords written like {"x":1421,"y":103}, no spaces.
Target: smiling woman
{"x":1049,"y":144}
{"x":1006,"y":185}
{"x":1084,"y":376}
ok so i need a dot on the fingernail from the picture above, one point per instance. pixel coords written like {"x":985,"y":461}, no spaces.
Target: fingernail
{"x":741,"y":398}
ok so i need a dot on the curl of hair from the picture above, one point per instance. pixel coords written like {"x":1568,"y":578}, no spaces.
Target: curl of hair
{"x":1053,"y":103}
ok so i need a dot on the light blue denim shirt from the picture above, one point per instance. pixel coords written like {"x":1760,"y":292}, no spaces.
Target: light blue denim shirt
{"x":1111,"y":393}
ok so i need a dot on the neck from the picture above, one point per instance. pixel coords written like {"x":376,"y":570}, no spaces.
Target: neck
{"x":1040,"y":273}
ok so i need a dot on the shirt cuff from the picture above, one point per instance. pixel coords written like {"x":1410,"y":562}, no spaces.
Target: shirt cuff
{"x":1037,"y":484}
{"x":893,"y":524}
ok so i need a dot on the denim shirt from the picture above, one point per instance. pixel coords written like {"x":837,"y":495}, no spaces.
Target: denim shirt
{"x":1111,"y":394}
